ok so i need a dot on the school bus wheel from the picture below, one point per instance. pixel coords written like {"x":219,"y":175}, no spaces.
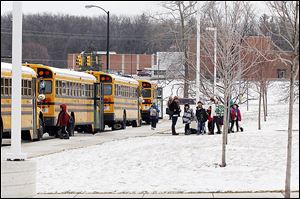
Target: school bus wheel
{"x":134,"y":123}
{"x":116,"y":126}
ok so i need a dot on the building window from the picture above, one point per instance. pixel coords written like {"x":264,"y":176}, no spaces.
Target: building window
{"x":281,"y":73}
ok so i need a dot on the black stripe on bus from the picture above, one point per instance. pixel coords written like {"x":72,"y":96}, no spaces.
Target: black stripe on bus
{"x":9,"y":105}
{"x":76,"y":110}
{"x":9,"y":97}
{"x":125,"y":108}
{"x":22,"y":129}
{"x":122,"y":103}
{"x":73,"y":97}
{"x":23,"y":113}
{"x":68,"y":104}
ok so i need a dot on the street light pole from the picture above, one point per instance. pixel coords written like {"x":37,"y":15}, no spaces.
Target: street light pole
{"x":215,"y":58}
{"x":198,"y":59}
{"x":107,"y":43}
{"x":107,"y":34}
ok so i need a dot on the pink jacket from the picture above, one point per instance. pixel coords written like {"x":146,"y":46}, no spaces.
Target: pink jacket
{"x":233,"y":114}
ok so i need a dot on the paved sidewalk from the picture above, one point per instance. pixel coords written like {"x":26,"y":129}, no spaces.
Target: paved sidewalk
{"x":50,"y":145}
{"x":174,"y":195}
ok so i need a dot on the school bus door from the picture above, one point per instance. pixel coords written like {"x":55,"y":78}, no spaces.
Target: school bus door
{"x":98,"y":107}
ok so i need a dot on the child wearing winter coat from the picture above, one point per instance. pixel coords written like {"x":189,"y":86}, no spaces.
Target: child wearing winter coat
{"x":235,"y":117}
{"x":202,"y":117}
{"x":210,"y":121}
{"x":153,"y":112}
{"x":187,"y":118}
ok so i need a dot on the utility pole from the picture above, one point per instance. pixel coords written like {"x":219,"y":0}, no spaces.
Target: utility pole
{"x":16,"y":121}
{"x":198,"y":58}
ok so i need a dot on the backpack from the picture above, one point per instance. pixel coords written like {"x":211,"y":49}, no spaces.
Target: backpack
{"x":153,"y":112}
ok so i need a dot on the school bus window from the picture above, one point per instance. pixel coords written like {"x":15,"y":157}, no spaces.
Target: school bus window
{"x":56,"y":87}
{"x":86,"y":90}
{"x":73,"y":89}
{"x":107,"y":89}
{"x":79,"y":90}
{"x":2,"y":86}
{"x":29,"y":87}
{"x":76,"y":90}
{"x":91,"y":90}
{"x":45,"y":86}
{"x":67,"y":89}
{"x":25,"y":87}
{"x":64,"y":91}
{"x":70,"y":89}
{"x":146,"y":93}
{"x":6,"y":87}
{"x":9,"y":86}
{"x":59,"y":88}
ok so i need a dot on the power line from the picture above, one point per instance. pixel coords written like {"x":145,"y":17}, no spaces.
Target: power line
{"x":95,"y":38}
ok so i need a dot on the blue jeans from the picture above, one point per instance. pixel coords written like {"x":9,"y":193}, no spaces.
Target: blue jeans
{"x":200,"y":127}
{"x":174,"y":121}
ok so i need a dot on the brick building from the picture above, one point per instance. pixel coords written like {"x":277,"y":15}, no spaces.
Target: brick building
{"x":125,"y":63}
{"x":271,"y":68}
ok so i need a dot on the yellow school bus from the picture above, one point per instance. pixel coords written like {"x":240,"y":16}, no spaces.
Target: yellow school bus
{"x":121,"y":100}
{"x":148,"y":90}
{"x":56,"y":86}
{"x":32,"y":118}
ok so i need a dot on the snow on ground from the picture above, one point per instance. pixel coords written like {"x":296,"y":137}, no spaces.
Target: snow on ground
{"x":256,"y":161}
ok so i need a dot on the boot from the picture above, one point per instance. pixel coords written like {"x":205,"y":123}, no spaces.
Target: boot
{"x":174,"y":132}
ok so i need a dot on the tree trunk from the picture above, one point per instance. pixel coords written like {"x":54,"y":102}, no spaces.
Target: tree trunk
{"x":266,"y":99}
{"x":264,"y":102}
{"x":290,"y":136}
{"x":259,"y":108}
{"x":186,"y":79}
{"x":247,"y":95}
{"x":225,"y":129}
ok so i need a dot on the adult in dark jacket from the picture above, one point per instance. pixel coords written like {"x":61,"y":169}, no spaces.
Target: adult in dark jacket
{"x":201,"y":116}
{"x":235,"y":117}
{"x":175,"y":108}
{"x":63,"y":121}
{"x":168,"y":107}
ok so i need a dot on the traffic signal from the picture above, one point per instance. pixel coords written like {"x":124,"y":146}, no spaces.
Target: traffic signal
{"x":79,"y":60}
{"x":88,"y":61}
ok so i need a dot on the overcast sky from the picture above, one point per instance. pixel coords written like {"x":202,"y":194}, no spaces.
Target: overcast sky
{"x":78,"y":7}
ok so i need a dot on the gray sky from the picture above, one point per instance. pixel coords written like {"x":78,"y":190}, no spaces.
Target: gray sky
{"x":77,"y":7}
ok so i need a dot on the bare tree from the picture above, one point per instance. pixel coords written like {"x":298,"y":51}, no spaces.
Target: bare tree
{"x":235,"y":54}
{"x":181,"y":13}
{"x":286,"y":15}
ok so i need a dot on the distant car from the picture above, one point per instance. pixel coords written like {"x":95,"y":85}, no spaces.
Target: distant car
{"x":143,"y":74}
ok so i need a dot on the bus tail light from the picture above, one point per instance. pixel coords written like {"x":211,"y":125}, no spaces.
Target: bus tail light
{"x":148,"y":101}
{"x":106,"y":100}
